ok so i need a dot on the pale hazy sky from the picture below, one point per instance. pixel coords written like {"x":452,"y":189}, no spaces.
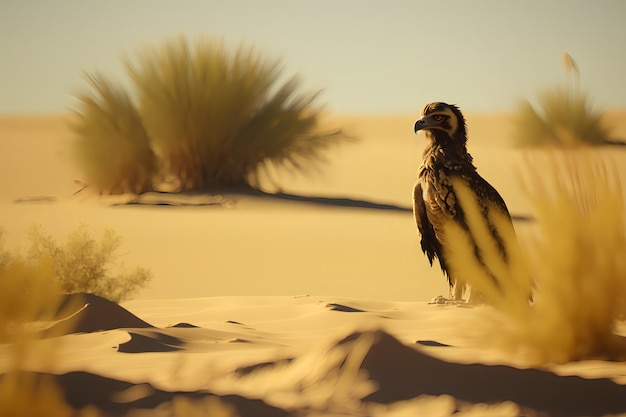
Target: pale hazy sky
{"x":367,"y":56}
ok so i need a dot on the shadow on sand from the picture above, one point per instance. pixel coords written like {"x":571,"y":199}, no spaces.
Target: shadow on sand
{"x":224,"y":196}
{"x":335,"y":201}
{"x":83,"y":389}
{"x":403,"y":373}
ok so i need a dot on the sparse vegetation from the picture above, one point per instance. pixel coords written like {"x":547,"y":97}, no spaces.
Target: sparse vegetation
{"x":29,"y":296}
{"x":564,"y":116}
{"x":80,"y":264}
{"x":83,"y":264}
{"x":575,"y":261}
{"x":211,"y":116}
{"x":26,"y":294}
{"x":113,"y":147}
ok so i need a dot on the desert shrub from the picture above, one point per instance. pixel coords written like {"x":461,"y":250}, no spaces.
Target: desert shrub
{"x":27,"y":293}
{"x":575,"y":261}
{"x":213,"y":116}
{"x":564,"y":116}
{"x":112,"y":146}
{"x":84,"y":264}
{"x":29,"y":297}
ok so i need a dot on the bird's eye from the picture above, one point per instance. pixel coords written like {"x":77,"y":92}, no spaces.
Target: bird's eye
{"x":438,"y":117}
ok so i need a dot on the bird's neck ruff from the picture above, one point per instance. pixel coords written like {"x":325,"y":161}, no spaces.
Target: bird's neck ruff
{"x":443,"y":147}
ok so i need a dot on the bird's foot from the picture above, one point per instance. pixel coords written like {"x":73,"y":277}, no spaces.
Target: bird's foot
{"x":440,"y":299}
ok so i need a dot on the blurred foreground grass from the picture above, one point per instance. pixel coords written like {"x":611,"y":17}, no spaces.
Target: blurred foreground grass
{"x":31,"y":299}
{"x":575,"y":261}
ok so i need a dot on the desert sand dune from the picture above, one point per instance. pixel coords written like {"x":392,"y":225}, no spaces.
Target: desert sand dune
{"x":284,"y":360}
{"x":309,"y":299}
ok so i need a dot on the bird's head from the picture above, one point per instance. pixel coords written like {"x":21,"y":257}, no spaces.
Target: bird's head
{"x":443,"y":121}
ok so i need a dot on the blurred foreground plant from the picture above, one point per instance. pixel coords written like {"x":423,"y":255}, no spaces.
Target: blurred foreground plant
{"x":28,"y":292}
{"x":564,"y":116}
{"x":575,"y":261}
{"x":578,"y":259}
{"x":28,"y":295}
{"x":211,"y":116}
{"x":30,"y":301}
{"x":83,"y":264}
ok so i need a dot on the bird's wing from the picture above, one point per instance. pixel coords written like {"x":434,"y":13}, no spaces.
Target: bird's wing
{"x":491,"y":203}
{"x":430,"y":245}
{"x":486,"y":195}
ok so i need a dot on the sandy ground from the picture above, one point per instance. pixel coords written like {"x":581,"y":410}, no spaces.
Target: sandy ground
{"x":302,"y":305}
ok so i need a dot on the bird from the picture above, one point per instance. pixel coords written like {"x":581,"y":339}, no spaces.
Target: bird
{"x":447,"y":167}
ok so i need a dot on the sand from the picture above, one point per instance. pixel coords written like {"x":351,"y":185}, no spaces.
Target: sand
{"x":314,"y":303}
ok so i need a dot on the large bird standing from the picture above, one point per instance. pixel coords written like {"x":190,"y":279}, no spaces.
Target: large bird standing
{"x":446,"y":167}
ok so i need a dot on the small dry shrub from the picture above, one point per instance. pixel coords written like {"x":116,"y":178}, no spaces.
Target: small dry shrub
{"x":212,"y":115}
{"x":84,"y":264}
{"x":27,"y":294}
{"x":564,"y":116}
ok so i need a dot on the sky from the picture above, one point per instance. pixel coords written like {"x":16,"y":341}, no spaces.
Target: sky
{"x":365,"y":56}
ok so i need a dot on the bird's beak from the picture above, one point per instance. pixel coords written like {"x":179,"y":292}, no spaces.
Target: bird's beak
{"x":423,"y":123}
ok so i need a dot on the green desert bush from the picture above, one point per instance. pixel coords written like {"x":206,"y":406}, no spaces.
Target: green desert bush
{"x":575,"y":261}
{"x":564,"y":116}
{"x":112,"y":146}
{"x":84,"y":264}
{"x":213,"y":116}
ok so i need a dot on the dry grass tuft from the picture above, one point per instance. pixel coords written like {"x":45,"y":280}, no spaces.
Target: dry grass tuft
{"x":28,"y":292}
{"x":575,"y":262}
{"x":112,"y":146}
{"x":212,"y":115}
{"x":28,"y":295}
{"x":564,"y":116}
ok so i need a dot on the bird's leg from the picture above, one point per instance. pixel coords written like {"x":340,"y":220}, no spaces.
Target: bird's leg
{"x":453,"y":297}
{"x":458,"y":291}
{"x":473,"y":297}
